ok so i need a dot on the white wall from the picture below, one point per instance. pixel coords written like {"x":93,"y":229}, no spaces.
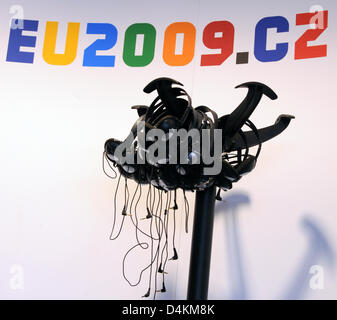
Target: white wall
{"x":56,"y":204}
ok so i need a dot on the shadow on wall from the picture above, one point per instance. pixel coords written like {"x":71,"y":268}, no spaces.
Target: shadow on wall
{"x":230,"y":207}
{"x":318,"y":250}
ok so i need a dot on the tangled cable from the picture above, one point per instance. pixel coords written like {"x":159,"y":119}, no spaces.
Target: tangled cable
{"x":158,"y":211}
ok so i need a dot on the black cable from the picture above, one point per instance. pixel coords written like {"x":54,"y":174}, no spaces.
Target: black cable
{"x":124,"y":211}
{"x":246,"y":146}
{"x":135,"y":209}
{"x":175,"y":256}
{"x":136,"y":217}
{"x":126,"y":195}
{"x":104,"y":157}
{"x":187,"y":212}
{"x":115,"y":210}
{"x":158,"y":246}
{"x":142,"y":271}
{"x":166,"y":235}
{"x":256,"y":132}
{"x":167,"y":205}
{"x":143,"y":245}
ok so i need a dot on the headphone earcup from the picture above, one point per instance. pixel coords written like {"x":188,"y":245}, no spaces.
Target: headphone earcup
{"x":228,"y":171}
{"x":127,"y":171}
{"x":223,"y":183}
{"x":168,"y":122}
{"x":110,"y":148}
{"x":188,"y":175}
{"x":168,"y":177}
{"x":246,"y":166}
{"x":140,"y":175}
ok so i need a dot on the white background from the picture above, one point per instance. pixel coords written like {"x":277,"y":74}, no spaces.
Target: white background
{"x":56,"y":204}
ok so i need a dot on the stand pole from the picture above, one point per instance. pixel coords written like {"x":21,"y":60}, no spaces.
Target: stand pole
{"x":201,"y":244}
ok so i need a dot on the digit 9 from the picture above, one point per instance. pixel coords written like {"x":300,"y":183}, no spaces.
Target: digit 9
{"x":225,"y":42}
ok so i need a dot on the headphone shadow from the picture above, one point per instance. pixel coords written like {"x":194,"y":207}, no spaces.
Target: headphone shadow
{"x":319,"y":250}
{"x":230,"y":206}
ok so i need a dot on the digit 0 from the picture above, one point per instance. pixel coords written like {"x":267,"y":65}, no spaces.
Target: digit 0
{"x":169,"y":52}
{"x":129,"y":52}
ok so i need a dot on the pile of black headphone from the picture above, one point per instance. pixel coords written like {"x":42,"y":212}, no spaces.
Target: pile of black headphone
{"x":172,"y":109}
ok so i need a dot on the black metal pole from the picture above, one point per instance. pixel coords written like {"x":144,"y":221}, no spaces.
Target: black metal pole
{"x":201,"y":244}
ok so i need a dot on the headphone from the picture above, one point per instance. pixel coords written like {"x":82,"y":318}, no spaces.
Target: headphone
{"x":171,"y":111}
